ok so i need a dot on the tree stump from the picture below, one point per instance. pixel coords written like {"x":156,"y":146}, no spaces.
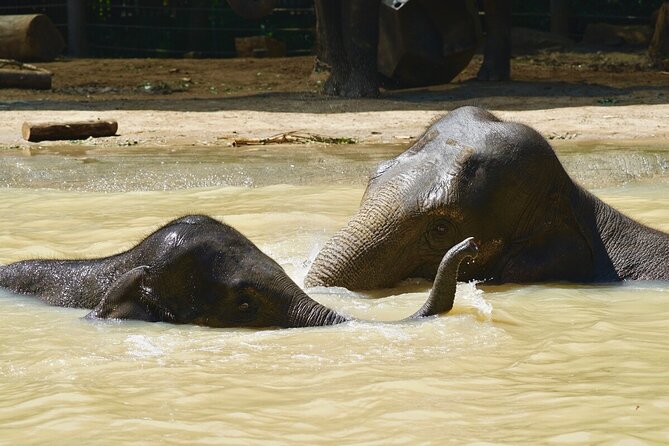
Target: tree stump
{"x":658,"y":50}
{"x":29,"y":37}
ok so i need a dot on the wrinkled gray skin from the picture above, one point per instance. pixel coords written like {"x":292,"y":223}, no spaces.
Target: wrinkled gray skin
{"x":500,"y":182}
{"x":195,"y":270}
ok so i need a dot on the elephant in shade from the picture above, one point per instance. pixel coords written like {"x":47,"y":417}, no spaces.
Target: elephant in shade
{"x":443,"y":37}
{"x":196,"y":270}
{"x":500,"y":182}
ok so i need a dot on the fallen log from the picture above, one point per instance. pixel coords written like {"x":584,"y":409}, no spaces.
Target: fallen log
{"x":29,"y":37}
{"x":30,"y":79}
{"x":54,"y":131}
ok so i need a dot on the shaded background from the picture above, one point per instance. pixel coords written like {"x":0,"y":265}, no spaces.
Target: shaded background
{"x":207,"y":28}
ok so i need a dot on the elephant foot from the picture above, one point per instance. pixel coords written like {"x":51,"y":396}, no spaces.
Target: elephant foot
{"x":493,"y":72}
{"x":351,"y":86}
{"x":332,"y":86}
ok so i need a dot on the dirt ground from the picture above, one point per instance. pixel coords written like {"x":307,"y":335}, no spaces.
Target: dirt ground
{"x":581,"y":96}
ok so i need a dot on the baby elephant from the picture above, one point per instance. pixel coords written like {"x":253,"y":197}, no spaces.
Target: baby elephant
{"x":196,"y":270}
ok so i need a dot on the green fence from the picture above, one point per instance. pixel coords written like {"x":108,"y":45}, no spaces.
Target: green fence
{"x":175,"y":28}
{"x":207,"y":28}
{"x":178,"y":27}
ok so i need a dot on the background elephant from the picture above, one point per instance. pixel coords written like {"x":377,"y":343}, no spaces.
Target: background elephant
{"x":196,"y":270}
{"x":471,"y":173}
{"x":348,"y":41}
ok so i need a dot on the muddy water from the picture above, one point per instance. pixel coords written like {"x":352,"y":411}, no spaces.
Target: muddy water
{"x":549,"y":364}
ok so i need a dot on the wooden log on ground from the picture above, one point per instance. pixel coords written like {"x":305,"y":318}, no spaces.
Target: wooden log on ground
{"x":29,"y":37}
{"x":31,"y":79}
{"x":54,"y":131}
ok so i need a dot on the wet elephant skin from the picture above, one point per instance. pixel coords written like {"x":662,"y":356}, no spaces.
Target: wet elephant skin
{"x":500,"y":182}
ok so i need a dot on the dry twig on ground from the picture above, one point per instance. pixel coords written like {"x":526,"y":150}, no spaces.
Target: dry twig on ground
{"x":294,"y":137}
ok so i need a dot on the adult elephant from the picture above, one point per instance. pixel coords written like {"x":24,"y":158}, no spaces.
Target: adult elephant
{"x":501,"y":182}
{"x":196,"y":270}
{"x":348,"y":38}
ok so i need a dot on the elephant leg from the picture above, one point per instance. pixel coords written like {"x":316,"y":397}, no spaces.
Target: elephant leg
{"x":328,"y":33}
{"x":360,"y":28}
{"x":331,"y":45}
{"x":497,"y":49}
{"x":348,"y":31}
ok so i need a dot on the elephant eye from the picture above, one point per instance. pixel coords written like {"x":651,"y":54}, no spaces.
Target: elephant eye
{"x":441,"y":228}
{"x":247,"y":303}
{"x":441,"y":233}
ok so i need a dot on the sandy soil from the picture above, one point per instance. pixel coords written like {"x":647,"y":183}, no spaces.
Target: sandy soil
{"x":566,"y":96}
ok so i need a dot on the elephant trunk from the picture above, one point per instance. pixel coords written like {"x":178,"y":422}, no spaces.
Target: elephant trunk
{"x":443,"y":290}
{"x":252,"y":9}
{"x":306,"y":312}
{"x":364,"y":253}
{"x":300,"y":310}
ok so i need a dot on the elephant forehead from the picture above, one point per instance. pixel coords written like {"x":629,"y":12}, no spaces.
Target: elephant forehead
{"x":439,"y":198}
{"x":428,"y":159}
{"x":428,"y":189}
{"x":444,"y":181}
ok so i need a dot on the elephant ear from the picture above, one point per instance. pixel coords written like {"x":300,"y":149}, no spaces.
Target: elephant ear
{"x":128,"y":298}
{"x":557,"y":250}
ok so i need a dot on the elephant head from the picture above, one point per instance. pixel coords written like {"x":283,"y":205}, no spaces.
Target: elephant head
{"x":252,"y":9}
{"x":197,"y":270}
{"x":471,"y":173}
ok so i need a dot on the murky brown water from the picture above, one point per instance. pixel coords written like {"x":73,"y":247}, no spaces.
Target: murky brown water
{"x":534,"y":364}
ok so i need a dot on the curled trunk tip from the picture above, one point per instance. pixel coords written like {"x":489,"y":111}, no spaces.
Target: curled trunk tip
{"x":443,"y":290}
